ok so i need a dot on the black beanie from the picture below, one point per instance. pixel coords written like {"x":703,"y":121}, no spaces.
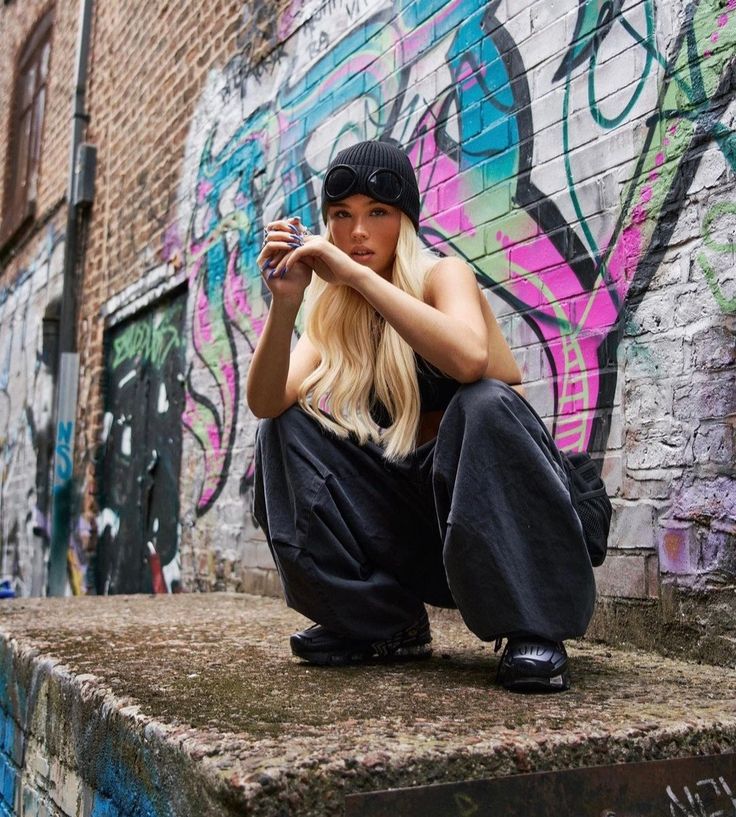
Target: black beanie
{"x":367,"y":157}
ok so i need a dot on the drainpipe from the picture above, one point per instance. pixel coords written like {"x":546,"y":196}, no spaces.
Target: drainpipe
{"x":79,"y":194}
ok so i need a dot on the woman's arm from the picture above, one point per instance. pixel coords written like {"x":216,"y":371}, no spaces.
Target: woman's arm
{"x":501,"y":362}
{"x":442,"y":290}
{"x":276,"y":372}
{"x":451,"y":335}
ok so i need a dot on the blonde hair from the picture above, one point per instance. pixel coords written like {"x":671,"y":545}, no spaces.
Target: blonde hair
{"x":363,"y":359}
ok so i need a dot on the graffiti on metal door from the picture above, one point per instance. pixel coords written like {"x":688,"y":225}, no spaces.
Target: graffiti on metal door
{"x":139,"y":496}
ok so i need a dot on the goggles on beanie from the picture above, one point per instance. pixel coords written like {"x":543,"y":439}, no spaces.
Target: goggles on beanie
{"x":380,"y":170}
{"x":382,"y":184}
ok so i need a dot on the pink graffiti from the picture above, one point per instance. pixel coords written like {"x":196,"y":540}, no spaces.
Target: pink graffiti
{"x":203,"y":319}
{"x":543,"y":279}
{"x":228,"y":372}
{"x":237,"y":303}
{"x":436,"y":172}
{"x":203,"y":190}
{"x":419,"y":39}
{"x":625,"y":259}
{"x":215,"y":438}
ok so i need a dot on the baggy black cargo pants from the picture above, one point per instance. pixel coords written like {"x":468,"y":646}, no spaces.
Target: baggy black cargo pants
{"x":479,"y":518}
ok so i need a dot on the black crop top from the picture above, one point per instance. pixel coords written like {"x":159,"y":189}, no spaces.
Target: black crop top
{"x":435,"y":392}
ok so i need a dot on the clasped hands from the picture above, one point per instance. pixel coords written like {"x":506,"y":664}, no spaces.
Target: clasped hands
{"x":290,"y":252}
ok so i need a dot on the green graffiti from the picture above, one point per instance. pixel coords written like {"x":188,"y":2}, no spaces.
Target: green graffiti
{"x":606,"y":16}
{"x":718,"y":210}
{"x":727,"y":305}
{"x":615,"y":121}
{"x":143,"y":341}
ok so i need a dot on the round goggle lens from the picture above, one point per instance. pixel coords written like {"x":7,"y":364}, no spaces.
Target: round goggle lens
{"x":385,"y":185}
{"x":339,"y":182}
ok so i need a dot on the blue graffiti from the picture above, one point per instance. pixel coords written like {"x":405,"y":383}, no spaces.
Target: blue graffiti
{"x":64,"y":434}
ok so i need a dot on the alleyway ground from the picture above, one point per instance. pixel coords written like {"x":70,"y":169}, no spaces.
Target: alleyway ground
{"x":201,"y":690}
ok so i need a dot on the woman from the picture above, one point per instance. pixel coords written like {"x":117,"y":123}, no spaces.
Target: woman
{"x":398,"y":466}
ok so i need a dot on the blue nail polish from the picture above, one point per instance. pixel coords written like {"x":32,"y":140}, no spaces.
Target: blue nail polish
{"x":271,"y":274}
{"x":294,"y":229}
{"x":285,"y":270}
{"x":295,"y":244}
{"x":267,"y":265}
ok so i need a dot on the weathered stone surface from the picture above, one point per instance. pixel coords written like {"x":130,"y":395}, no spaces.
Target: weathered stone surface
{"x":191,"y":705}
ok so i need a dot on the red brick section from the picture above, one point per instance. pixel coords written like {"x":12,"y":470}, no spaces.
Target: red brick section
{"x":149,"y":65}
{"x":16,"y":22}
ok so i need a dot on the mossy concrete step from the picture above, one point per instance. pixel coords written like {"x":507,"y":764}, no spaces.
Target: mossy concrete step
{"x":191,"y":705}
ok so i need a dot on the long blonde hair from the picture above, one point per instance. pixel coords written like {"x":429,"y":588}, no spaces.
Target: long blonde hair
{"x":363,"y":359}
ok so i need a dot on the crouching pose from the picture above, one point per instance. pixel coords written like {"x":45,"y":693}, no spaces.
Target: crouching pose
{"x":397,"y":466}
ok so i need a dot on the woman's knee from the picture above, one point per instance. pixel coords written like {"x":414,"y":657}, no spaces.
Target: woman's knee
{"x":291,"y":424}
{"x":484,"y":396}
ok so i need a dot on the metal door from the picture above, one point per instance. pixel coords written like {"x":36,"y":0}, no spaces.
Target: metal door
{"x":138,"y":524}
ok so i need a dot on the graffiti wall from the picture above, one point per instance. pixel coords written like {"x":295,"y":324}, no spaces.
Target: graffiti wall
{"x":138,"y":524}
{"x":580,"y":155}
{"x":26,"y":395}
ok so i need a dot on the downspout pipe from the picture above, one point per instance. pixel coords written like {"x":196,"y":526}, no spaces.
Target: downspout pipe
{"x":67,"y":369}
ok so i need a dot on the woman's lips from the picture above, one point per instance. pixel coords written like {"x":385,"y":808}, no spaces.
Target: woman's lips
{"x":361,"y":253}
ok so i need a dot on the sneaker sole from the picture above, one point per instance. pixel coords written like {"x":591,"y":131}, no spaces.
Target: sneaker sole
{"x":528,"y":683}
{"x":327,"y":659}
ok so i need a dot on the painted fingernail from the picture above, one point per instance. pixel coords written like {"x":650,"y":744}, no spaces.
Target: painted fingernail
{"x":267,"y":265}
{"x":285,"y":270}
{"x":294,"y":229}
{"x":295,"y":244}
{"x":271,"y":274}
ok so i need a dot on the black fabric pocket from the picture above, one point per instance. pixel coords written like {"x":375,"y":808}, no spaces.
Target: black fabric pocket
{"x":589,"y":496}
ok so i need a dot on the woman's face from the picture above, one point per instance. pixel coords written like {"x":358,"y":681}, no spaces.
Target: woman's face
{"x":366,"y":230}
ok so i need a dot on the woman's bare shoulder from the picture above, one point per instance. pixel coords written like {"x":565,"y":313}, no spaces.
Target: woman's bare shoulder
{"x":449,"y":266}
{"x":448,"y":271}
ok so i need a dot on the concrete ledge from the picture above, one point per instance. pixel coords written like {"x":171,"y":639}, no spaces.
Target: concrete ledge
{"x":190,"y":705}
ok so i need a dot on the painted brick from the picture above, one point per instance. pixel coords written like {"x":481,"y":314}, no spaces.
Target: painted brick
{"x":9,"y":782}
{"x":648,"y":398}
{"x":659,"y":444}
{"x":628,"y":576}
{"x":30,"y":802}
{"x":543,"y":14}
{"x":677,"y":545}
{"x":715,"y":444}
{"x":9,"y":736}
{"x":616,"y":430}
{"x":612,"y":473}
{"x":632,"y":525}
{"x":36,"y":762}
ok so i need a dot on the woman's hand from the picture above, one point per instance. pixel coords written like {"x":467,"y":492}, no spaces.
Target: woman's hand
{"x":282,"y":239}
{"x":318,"y":254}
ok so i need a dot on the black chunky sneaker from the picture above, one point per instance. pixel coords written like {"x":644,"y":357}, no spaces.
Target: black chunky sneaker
{"x":318,"y":645}
{"x":533,"y":664}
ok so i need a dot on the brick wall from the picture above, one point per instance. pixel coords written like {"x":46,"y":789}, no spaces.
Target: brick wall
{"x":597,"y":215}
{"x":30,"y":277}
{"x":70,"y":748}
{"x":17,"y":21}
{"x":585,"y":168}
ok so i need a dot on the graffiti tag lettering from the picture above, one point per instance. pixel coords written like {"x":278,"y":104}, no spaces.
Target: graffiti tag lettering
{"x":143,"y":341}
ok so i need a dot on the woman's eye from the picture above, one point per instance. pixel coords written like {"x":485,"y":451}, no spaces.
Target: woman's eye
{"x":340,"y":214}
{"x":378,"y":211}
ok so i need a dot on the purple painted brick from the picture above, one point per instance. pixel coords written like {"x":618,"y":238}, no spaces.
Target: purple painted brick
{"x":676,"y":544}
